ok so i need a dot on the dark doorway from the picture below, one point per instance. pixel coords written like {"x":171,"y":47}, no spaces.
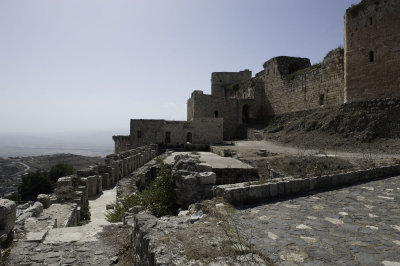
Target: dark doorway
{"x":245,"y":114}
{"x":167,"y":137}
{"x":189,"y":137}
{"x":215,"y":113}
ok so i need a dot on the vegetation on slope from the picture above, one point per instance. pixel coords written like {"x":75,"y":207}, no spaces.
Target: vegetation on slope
{"x":158,"y":197}
{"x":42,"y":182}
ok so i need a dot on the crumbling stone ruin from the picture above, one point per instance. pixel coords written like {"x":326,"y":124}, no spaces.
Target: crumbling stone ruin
{"x":365,"y":69}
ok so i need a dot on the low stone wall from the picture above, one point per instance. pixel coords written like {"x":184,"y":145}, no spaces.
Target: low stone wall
{"x":138,"y":180}
{"x":120,"y":165}
{"x":244,"y":193}
{"x":74,"y":218}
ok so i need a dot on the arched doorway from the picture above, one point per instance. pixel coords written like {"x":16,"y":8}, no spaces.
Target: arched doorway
{"x":189,"y":137}
{"x":245,"y":114}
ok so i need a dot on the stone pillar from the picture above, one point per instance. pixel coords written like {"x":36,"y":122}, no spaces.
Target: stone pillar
{"x":92,"y":185}
{"x":99,"y":188}
{"x":8,"y":213}
{"x":126,"y":166}
{"x":106,"y":180}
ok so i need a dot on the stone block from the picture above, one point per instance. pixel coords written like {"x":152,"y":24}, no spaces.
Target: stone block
{"x":295,"y":186}
{"x":313,"y":183}
{"x":305,"y":185}
{"x":99,"y":188}
{"x":65,"y":181}
{"x":44,"y":199}
{"x":92,"y":186}
{"x":203,"y":167}
{"x":288,"y":187}
{"x":8,"y":214}
{"x":281,"y":188}
{"x":36,"y":209}
{"x":36,"y":236}
{"x":323,"y":182}
{"x":273,"y":188}
{"x":207,"y":178}
{"x":106,"y":180}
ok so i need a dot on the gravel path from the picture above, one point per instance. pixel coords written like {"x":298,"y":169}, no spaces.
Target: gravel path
{"x":358,"y":225}
{"x":275,"y":147}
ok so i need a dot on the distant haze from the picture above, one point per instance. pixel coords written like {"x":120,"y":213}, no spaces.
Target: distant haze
{"x":77,"y":66}
{"x":97,"y":143}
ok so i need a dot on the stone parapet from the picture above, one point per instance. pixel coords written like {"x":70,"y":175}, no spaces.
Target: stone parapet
{"x":254,"y":192}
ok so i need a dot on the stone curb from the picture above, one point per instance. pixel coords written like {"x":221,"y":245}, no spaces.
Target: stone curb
{"x":249,"y":192}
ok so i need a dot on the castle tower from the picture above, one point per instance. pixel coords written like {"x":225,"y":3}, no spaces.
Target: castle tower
{"x":372,"y":50}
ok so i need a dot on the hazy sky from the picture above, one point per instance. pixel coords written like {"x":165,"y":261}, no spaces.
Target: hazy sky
{"x":69,"y":65}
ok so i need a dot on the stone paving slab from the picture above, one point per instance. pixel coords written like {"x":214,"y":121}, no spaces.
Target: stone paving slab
{"x":358,"y":225}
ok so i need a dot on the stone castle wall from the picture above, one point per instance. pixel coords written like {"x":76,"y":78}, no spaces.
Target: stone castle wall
{"x":367,"y":68}
{"x":303,"y":87}
{"x":121,"y":143}
{"x":230,"y":109}
{"x":197,"y":131}
{"x":372,"y":50}
{"x":220,"y":81}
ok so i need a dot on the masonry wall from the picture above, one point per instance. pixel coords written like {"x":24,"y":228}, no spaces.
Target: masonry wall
{"x":201,"y":131}
{"x":372,"y":27}
{"x":146,"y":131}
{"x":207,"y":106}
{"x":220,"y":81}
{"x":303,"y":87}
{"x":121,"y":143}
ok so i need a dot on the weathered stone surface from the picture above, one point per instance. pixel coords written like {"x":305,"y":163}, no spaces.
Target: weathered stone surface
{"x":92,"y":186}
{"x":7,"y":215}
{"x":64,"y":182}
{"x":36,"y":209}
{"x":207,"y":178}
{"x":36,"y":236}
{"x":44,"y":199}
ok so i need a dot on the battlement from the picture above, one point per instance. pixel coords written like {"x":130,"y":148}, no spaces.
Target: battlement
{"x":285,"y":65}
{"x":221,"y":80}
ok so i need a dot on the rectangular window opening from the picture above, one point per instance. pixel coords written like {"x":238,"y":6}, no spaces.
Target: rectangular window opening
{"x":139,"y":134}
{"x":215,"y":113}
{"x":371,"y":56}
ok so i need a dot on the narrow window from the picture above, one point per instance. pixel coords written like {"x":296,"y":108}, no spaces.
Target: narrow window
{"x":167,"y":137}
{"x":321,"y":99}
{"x":370,"y":20}
{"x":371,"y":56}
{"x":189,"y":137}
{"x":139,"y":134}
{"x":215,"y":113}
{"x":267,"y":71}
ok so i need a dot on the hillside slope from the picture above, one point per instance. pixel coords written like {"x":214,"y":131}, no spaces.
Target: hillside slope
{"x":364,"y":126}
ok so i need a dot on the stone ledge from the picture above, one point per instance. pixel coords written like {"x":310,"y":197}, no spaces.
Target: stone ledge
{"x":253,"y":192}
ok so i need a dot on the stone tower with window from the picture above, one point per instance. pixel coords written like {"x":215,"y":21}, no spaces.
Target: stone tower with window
{"x":372,"y":50}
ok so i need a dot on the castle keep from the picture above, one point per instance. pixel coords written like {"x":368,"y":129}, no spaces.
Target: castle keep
{"x":366,"y":68}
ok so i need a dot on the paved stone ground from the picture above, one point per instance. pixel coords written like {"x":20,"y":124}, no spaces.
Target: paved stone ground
{"x":358,"y":225}
{"x":95,"y":243}
{"x":73,"y":253}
